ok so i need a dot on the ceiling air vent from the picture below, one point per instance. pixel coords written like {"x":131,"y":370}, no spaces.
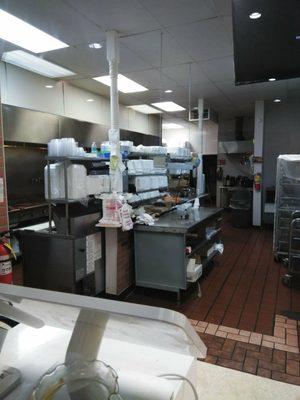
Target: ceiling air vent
{"x":208,"y":115}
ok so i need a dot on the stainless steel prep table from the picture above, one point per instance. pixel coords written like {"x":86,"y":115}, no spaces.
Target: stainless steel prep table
{"x":160,"y":249}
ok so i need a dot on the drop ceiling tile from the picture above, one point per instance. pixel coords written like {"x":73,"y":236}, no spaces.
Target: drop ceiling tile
{"x":230,"y":89}
{"x":270,"y":90}
{"x":172,"y":12}
{"x":223,"y":7}
{"x":205,"y":89}
{"x":180,"y":96}
{"x":152,"y":79}
{"x":181,"y":73}
{"x":126,"y":17}
{"x":85,"y":61}
{"x":130,"y":61}
{"x":148,"y":47}
{"x":220,"y":69}
{"x":204,"y":40}
{"x":56,"y":18}
{"x":91,"y":63}
{"x":218,"y":102}
{"x":293,"y":84}
{"x":269,"y":86}
{"x":227,"y":22}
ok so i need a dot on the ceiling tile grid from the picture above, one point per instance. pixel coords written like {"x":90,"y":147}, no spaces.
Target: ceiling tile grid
{"x":196,"y":36}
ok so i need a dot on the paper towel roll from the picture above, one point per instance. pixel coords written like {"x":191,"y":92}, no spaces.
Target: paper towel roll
{"x":137,"y":386}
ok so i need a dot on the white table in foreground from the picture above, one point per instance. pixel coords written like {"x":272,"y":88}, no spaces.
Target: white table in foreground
{"x":219,"y":383}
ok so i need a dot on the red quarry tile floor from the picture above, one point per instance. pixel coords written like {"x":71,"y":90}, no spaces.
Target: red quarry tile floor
{"x":242,"y":297}
{"x":242,"y":290}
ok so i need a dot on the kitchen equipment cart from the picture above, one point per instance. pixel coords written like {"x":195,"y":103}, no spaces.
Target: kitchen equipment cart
{"x":160,"y":249}
{"x":292,"y":261}
{"x":287,"y":200}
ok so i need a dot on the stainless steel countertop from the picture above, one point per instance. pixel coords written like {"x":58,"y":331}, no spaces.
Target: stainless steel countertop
{"x":173,"y":223}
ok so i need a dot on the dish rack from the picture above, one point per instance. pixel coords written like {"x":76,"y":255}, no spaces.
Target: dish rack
{"x":287,"y":201}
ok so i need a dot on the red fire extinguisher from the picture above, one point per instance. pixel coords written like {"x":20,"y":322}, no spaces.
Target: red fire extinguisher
{"x":257,"y":182}
{"x":6,"y":255}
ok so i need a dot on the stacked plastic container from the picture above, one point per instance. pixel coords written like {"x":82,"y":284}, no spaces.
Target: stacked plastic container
{"x":143,"y":183}
{"x":76,"y":178}
{"x":65,"y":147}
{"x":152,"y":150}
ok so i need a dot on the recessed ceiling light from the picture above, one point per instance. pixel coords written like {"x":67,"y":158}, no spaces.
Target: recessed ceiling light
{"x":255,"y":15}
{"x":168,"y":106}
{"x":272,"y":79}
{"x":22,"y":34}
{"x":125,"y":85}
{"x":168,"y":91}
{"x":171,"y":125}
{"x":49,"y":86}
{"x":95,"y":46}
{"x":145,"y":109}
{"x":277,"y":101}
{"x":35,"y":64}
{"x":90,"y":100}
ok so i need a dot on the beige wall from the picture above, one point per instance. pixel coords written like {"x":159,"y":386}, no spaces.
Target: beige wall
{"x":25,"y":89}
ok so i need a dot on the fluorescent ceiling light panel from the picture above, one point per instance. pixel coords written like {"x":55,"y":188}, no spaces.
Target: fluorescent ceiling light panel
{"x":35,"y":64}
{"x":22,"y":34}
{"x":145,"y":109}
{"x":125,"y":85}
{"x":171,"y":125}
{"x":168,"y":106}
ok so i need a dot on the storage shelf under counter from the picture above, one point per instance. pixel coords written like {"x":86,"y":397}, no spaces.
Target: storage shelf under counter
{"x":160,"y":249}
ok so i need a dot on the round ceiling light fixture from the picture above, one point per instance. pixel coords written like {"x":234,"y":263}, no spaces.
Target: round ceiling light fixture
{"x":277,"y":101}
{"x":272,"y":79}
{"x":168,"y":91}
{"x":90,"y":100}
{"x":255,"y":15}
{"x":49,"y":86}
{"x":95,"y":45}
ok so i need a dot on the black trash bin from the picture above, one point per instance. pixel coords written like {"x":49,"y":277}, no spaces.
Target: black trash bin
{"x":241,"y":208}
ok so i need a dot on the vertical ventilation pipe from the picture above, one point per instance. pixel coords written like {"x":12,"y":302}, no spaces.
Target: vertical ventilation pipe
{"x":200,"y":177}
{"x":116,"y":166}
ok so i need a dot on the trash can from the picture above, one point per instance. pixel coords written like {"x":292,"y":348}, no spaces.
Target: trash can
{"x":241,"y":208}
